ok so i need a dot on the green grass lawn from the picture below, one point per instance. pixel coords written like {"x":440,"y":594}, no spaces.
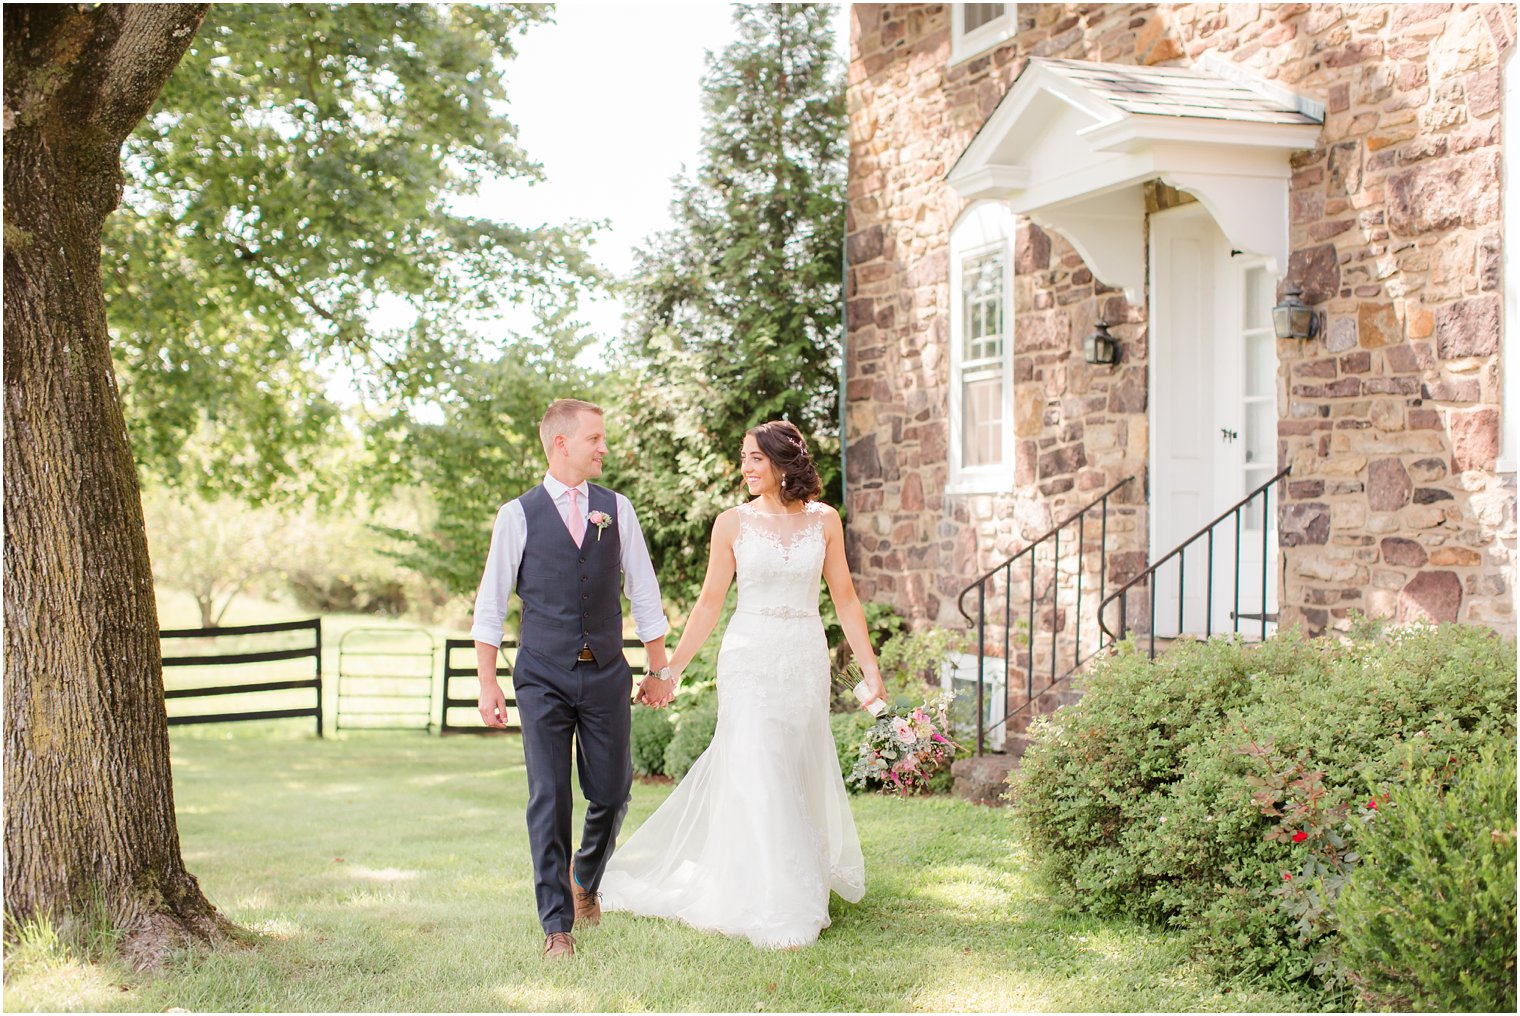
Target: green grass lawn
{"x":390,"y":871}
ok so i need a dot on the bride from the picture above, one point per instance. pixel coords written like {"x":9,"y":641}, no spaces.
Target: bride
{"x":754,"y":838}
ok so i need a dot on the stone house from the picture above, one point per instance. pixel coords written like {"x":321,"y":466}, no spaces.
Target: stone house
{"x":1027,"y":180}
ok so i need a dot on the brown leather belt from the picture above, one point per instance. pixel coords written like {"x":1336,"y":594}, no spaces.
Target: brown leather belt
{"x":585,"y":655}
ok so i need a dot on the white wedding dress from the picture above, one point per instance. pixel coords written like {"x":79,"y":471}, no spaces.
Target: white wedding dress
{"x":754,"y":838}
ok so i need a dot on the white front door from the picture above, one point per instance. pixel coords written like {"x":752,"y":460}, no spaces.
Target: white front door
{"x":1213,"y":425}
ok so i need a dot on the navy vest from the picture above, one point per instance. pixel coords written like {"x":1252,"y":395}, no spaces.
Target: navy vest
{"x":571,"y":595}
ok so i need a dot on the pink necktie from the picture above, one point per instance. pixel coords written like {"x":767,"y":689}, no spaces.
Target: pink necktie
{"x":576,"y":523}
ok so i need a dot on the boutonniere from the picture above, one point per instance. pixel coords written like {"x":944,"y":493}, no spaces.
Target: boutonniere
{"x":601,"y":520}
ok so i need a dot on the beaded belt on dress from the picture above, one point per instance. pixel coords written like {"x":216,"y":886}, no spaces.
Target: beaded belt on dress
{"x":791,"y":613}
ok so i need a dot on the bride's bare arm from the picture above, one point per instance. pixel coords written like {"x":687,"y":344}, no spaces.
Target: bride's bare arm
{"x":720,"y":572}
{"x":852,"y":617}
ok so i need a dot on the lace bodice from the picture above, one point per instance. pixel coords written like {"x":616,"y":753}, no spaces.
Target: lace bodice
{"x":779,"y":559}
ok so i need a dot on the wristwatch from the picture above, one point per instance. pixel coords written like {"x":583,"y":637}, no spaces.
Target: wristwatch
{"x":666,"y":674}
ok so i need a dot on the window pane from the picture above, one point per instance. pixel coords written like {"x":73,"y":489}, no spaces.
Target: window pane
{"x":1261,"y":433}
{"x":982,"y":293}
{"x":982,"y":420}
{"x":1261,"y":364}
{"x":1259,"y":293}
{"x":977,"y":15}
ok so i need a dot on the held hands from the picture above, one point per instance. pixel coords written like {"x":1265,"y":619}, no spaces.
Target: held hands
{"x":493,"y":704}
{"x":656,"y":692}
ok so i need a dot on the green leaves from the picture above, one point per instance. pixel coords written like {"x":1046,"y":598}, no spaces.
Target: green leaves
{"x":736,"y":310}
{"x":483,"y":448}
{"x":287,"y":214}
{"x":1219,"y":789}
{"x":1428,"y":921}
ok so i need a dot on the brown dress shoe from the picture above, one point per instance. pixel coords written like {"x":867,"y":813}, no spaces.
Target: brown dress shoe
{"x":560,"y":945}
{"x":588,"y":905}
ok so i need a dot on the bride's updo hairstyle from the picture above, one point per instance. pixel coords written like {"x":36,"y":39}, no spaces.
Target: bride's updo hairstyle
{"x":782,"y":443}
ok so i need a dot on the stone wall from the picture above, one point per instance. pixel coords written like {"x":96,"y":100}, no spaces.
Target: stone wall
{"x":1390,"y":419}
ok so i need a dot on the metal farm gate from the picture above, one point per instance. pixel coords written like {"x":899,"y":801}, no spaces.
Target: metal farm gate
{"x":385,"y":679}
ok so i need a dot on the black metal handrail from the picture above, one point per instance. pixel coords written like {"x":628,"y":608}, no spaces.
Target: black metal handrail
{"x":979,"y":585}
{"x":1180,"y":553}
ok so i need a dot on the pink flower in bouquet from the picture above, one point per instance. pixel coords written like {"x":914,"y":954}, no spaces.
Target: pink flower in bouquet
{"x":901,"y":751}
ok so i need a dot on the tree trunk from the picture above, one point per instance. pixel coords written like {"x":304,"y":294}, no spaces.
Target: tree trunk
{"x":89,"y":802}
{"x":208,"y":615}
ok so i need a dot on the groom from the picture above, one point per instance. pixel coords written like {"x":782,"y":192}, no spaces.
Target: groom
{"x":569,"y":547}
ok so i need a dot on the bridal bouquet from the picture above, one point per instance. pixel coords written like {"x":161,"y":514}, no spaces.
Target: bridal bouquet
{"x":903,"y":748}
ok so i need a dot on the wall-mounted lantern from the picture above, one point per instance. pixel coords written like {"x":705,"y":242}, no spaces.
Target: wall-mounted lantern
{"x":1101,"y":347}
{"x":1294,"y":319}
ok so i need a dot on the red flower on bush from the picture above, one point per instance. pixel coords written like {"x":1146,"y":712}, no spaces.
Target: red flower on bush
{"x":1372,"y":804}
{"x":1287,"y":877}
{"x":1300,"y":836}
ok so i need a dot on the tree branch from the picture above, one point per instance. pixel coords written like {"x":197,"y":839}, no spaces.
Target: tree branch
{"x":297,"y":292}
{"x":97,"y":69}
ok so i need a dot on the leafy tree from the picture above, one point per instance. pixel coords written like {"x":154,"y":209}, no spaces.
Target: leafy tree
{"x":211,"y":550}
{"x":296,"y":175}
{"x":736,"y":310}
{"x":485,"y":449}
{"x":292,"y":187}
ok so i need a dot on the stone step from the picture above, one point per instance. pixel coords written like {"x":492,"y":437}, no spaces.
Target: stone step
{"x":984,"y":779}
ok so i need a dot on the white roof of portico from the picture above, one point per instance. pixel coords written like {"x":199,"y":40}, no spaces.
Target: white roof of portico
{"x":1072,"y":143}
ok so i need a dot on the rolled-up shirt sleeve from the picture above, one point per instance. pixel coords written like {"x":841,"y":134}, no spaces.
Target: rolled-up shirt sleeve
{"x":507,"y":540}
{"x":639,"y":583}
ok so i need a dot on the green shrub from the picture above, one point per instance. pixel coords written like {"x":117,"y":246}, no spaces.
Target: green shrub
{"x":326,"y":593}
{"x":1175,"y":791}
{"x":651,"y":735}
{"x":694,"y":732}
{"x":1428,"y":918}
{"x":849,"y":730}
{"x":883,"y":622}
{"x":1082,"y":792}
{"x":911,"y":661}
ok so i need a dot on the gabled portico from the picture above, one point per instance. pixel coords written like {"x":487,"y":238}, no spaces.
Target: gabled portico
{"x":1073,"y":143}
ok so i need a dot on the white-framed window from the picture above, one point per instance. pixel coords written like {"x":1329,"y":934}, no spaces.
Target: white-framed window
{"x":1509,"y":185}
{"x":981,"y":350}
{"x":958,"y":674}
{"x":975,"y":28}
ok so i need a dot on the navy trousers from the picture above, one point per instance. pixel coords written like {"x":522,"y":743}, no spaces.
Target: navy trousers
{"x":586,"y":704}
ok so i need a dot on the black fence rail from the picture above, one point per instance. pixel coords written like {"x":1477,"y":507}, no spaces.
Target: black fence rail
{"x":313,"y":652}
{"x":467,"y":670}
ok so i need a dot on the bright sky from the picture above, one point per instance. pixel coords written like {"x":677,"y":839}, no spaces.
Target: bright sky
{"x":608,"y":100}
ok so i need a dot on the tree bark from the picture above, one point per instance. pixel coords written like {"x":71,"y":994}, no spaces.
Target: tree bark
{"x":89,"y":801}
